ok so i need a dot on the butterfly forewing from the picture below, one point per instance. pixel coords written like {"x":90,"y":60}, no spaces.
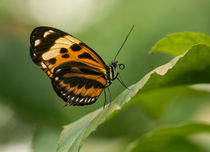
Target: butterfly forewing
{"x":76,"y":71}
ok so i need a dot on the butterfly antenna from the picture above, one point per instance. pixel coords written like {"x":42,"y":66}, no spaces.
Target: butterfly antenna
{"x":124,"y":42}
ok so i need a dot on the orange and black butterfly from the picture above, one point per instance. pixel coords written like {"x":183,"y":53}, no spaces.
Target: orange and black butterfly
{"x":78,"y":74}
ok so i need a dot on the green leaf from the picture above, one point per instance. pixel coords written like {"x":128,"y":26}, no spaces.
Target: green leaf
{"x":73,"y":134}
{"x":168,"y":83}
{"x":170,"y":139}
{"x":181,"y":71}
{"x":189,"y":68}
{"x":177,"y":43}
{"x":184,"y":101}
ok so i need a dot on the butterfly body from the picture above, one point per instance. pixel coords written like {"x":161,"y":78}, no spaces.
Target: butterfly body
{"x":78,"y":74}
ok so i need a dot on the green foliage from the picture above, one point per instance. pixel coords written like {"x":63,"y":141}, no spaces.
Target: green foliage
{"x":177,"y":43}
{"x":170,"y":139}
{"x":153,"y":92}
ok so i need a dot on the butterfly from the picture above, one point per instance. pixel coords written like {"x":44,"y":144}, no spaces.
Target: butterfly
{"x":78,"y":74}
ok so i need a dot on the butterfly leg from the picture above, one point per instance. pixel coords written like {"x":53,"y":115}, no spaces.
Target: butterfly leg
{"x":68,"y":103}
{"x":110,"y":97}
{"x":104,"y":98}
{"x":116,"y":76}
{"x":120,"y":80}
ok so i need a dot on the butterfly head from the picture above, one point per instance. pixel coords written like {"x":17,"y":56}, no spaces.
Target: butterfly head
{"x":115,"y":64}
{"x":111,"y":72}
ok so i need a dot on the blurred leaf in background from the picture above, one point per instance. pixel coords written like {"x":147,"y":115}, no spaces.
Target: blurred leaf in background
{"x":30,"y":109}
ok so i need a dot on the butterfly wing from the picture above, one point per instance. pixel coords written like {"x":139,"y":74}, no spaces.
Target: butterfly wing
{"x":76,"y":71}
{"x":77,"y":83}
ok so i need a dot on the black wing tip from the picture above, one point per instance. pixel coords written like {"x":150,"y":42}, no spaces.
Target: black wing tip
{"x":45,"y":43}
{"x":37,"y":31}
{"x":45,"y":28}
{"x":34,"y":58}
{"x":40,"y":30}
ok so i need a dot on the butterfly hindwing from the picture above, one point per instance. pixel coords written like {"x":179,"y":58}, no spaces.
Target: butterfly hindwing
{"x":78,"y":83}
{"x":76,"y":71}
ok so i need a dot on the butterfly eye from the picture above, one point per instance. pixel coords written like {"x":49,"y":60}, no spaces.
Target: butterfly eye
{"x":122,"y":66}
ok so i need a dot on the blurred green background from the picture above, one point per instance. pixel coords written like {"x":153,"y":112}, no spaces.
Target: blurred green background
{"x":30,"y":111}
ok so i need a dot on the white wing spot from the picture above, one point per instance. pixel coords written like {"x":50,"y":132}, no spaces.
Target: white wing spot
{"x":51,"y":54}
{"x":37,"y":42}
{"x":58,"y":70}
{"x":43,"y":65}
{"x":89,"y":100}
{"x":63,"y":41}
{"x":81,"y":100}
{"x":72,"y":39}
{"x":77,"y":99}
{"x":56,"y":78}
{"x":59,"y":45}
{"x":72,"y":98}
{"x":47,"y":33}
